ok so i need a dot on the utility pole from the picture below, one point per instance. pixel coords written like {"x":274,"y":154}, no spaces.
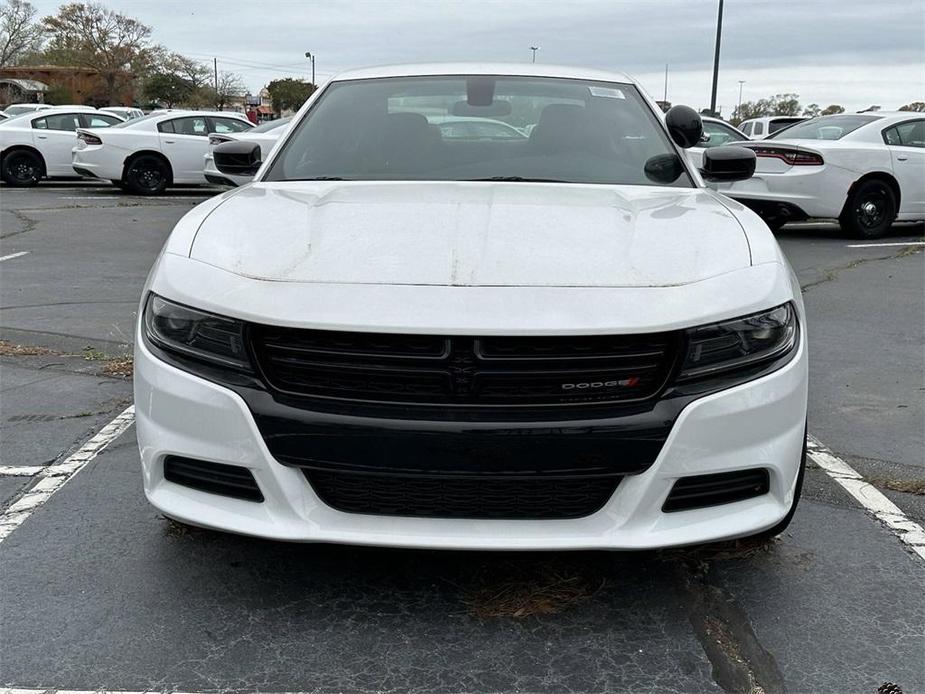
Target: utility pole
{"x":534,"y":49}
{"x":215,"y":71}
{"x":719,"y":34}
{"x":312,"y":58}
{"x":739,"y":107}
{"x":665,"y":97}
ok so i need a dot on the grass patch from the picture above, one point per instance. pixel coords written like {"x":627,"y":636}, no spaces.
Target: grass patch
{"x":119,"y":367}
{"x":907,"y":486}
{"x":527,"y":590}
{"x":8,"y":349}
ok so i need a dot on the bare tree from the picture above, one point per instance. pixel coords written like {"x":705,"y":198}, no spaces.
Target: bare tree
{"x":93,"y":36}
{"x":19,"y":32}
{"x":194,"y":72}
{"x":230,"y":86}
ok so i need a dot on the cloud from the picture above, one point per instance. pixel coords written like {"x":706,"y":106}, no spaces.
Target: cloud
{"x":786,"y":42}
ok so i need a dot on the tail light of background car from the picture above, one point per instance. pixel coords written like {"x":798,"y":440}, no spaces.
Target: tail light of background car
{"x":217,"y":140}
{"x":89,"y":139}
{"x":791,"y":156}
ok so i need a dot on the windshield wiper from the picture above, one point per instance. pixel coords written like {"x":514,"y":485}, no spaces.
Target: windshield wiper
{"x":519,"y":179}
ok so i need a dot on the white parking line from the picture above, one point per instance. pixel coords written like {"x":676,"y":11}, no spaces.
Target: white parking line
{"x":53,"y":477}
{"x":14,"y":255}
{"x":91,"y":197}
{"x":884,"y":510}
{"x":21,"y":471}
{"x":884,"y":245}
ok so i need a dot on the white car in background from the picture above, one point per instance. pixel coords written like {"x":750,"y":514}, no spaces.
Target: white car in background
{"x":760,"y":128}
{"x":265,"y":134}
{"x":867,"y":170}
{"x":146,"y":155}
{"x":716,"y":133}
{"x":124,"y":112}
{"x":38,"y":144}
{"x":19,"y":109}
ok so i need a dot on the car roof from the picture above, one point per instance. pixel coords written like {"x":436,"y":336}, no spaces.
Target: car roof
{"x":507,"y":69}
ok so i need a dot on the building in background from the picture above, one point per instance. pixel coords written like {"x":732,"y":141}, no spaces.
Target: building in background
{"x":68,"y":85}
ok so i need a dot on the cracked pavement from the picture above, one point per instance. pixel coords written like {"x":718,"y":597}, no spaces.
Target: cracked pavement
{"x":98,"y":590}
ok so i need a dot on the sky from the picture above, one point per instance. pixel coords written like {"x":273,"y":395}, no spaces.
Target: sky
{"x":850,"y":52}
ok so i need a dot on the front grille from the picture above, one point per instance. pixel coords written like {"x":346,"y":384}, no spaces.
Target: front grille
{"x":215,"y":478}
{"x":486,"y":497}
{"x":698,"y":491}
{"x":443,"y":370}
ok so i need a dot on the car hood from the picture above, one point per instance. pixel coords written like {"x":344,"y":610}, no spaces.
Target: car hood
{"x":472,"y":234}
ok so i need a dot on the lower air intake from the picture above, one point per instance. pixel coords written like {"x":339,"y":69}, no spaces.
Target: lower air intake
{"x":473,"y":497}
{"x":214,"y":478}
{"x":699,"y":491}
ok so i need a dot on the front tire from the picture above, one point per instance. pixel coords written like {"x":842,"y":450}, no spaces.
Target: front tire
{"x":146,"y":175}
{"x":870,"y":210}
{"x":22,"y":169}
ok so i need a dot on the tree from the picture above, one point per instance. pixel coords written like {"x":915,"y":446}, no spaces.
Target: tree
{"x":914,"y":106}
{"x":812,"y":110}
{"x":93,"y":36}
{"x":194,"y":72}
{"x":58,"y":94}
{"x":20,"y":34}
{"x":289,"y":94}
{"x":230,"y":86}
{"x":777,"y":105}
{"x":167,"y":89}
{"x":832,"y":110}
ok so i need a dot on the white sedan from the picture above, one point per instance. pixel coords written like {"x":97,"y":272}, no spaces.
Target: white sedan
{"x":265,"y":135}
{"x":146,"y":155}
{"x":38,"y":144}
{"x":867,"y":170}
{"x":394,"y":337}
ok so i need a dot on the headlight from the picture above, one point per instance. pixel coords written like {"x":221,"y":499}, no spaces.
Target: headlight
{"x":738,"y":343}
{"x":194,"y":333}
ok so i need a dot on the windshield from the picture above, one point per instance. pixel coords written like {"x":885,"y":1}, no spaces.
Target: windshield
{"x":823,"y":128}
{"x":135,"y":121}
{"x":270,"y":125}
{"x":19,"y":110}
{"x":459,"y":128}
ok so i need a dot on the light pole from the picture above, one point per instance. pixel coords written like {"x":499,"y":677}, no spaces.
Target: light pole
{"x":739,"y":107}
{"x":719,"y":35}
{"x":534,"y":49}
{"x":312,"y":58}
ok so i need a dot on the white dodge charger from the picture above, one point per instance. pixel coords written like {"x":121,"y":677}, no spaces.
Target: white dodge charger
{"x":867,"y":170}
{"x":146,"y":155}
{"x":37,"y":144}
{"x":556,"y":341}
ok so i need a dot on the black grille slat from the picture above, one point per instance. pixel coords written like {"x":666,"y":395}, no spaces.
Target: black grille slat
{"x":474,"y":497}
{"x":463,"y":371}
{"x":699,"y":491}
{"x":215,"y":478}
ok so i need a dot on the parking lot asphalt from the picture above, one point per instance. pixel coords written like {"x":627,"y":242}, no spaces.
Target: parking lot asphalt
{"x":99,"y":591}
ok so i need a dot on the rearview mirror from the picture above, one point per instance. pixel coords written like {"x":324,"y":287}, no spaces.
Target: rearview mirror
{"x":728,"y":164}
{"x":238,"y":157}
{"x":684,"y":126}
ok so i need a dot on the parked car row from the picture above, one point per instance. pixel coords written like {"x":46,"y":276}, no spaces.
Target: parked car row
{"x":867,"y":170}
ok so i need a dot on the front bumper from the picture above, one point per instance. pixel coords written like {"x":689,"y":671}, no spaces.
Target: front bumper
{"x":756,"y":424}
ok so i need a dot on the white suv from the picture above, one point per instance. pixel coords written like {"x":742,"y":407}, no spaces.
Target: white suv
{"x":556,"y":341}
{"x":760,"y":128}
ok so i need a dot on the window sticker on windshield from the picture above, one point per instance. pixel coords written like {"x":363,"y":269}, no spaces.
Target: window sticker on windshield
{"x":606,"y":92}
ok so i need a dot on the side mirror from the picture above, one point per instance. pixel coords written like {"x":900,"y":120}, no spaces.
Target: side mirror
{"x":728,"y":164}
{"x":684,"y":126}
{"x":664,"y":168}
{"x":237,"y":157}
